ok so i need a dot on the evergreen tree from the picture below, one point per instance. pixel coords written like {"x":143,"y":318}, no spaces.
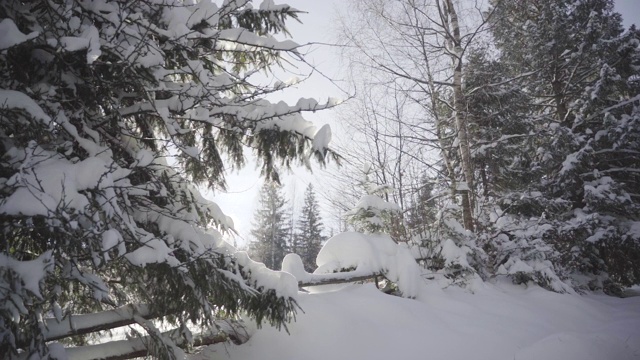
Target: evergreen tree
{"x":309,"y":237}
{"x":422,"y":213}
{"x":504,"y":136}
{"x":373,"y":213}
{"x":94,"y":98}
{"x":271,"y":227}
{"x":579,"y":70}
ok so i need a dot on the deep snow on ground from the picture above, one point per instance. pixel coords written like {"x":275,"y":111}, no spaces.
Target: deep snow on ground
{"x":491,"y":321}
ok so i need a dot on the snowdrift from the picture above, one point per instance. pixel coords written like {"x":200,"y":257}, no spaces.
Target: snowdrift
{"x":493,"y":321}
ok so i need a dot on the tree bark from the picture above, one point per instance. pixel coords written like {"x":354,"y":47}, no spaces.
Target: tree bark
{"x":128,"y":349}
{"x":456,"y":53}
{"x":336,"y":278}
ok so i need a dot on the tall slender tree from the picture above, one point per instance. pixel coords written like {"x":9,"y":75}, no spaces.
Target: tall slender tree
{"x":271,"y":227}
{"x":309,"y":235}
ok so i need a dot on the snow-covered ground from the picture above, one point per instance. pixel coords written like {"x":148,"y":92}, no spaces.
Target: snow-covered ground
{"x":491,"y":321}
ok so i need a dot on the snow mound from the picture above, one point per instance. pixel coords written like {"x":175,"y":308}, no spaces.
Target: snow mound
{"x":498,"y":322}
{"x":370,"y":254}
{"x":292,"y":264}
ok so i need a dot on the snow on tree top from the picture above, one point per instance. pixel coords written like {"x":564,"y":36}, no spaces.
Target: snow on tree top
{"x":10,"y":35}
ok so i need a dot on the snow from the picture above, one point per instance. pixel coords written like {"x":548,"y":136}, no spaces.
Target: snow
{"x":14,"y":99}
{"x":372,"y":254}
{"x":57,"y":351}
{"x":234,"y":39}
{"x":452,"y":254}
{"x":47,"y":180}
{"x":462,"y":186}
{"x":284,"y":283}
{"x":56,"y":329}
{"x":498,"y":321}
{"x":10,"y":35}
{"x":153,"y":251}
{"x":27,"y":277}
{"x":31,"y":272}
{"x":112,"y":239}
{"x":322,"y":138}
{"x":144,"y":157}
{"x":368,"y":202}
{"x":89,"y":40}
{"x":292,"y":263}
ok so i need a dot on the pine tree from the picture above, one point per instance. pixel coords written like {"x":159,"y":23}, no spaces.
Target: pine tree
{"x":271,"y":227}
{"x":309,"y":237}
{"x":110,"y":112}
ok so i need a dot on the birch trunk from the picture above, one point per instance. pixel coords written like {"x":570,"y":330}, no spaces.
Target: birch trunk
{"x":456,"y":53}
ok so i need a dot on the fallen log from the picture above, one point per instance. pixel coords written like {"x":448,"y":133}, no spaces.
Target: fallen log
{"x":132,"y":348}
{"x":87,"y":323}
{"x":336,"y":278}
{"x":126,"y":315}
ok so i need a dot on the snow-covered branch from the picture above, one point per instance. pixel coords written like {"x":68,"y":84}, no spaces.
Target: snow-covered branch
{"x":133,"y":348}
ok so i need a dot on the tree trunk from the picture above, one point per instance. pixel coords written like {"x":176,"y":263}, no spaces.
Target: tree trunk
{"x":88,"y":323}
{"x":133,"y":348}
{"x":336,"y":278}
{"x":456,"y":53}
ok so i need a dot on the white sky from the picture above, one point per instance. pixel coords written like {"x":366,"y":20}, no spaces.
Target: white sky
{"x":318,"y":26}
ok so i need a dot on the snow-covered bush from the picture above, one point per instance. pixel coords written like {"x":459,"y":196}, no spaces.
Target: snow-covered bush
{"x":373,"y":213}
{"x":110,"y":111}
{"x":447,"y":250}
{"x":519,"y":249}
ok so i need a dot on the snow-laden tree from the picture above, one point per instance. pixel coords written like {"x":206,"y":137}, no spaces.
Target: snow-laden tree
{"x":579,"y":70}
{"x":309,"y":237}
{"x":271,"y":232}
{"x":110,"y":113}
{"x":507,"y":139}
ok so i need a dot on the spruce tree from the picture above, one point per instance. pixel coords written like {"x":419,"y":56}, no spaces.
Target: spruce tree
{"x":309,"y":237}
{"x":110,"y":113}
{"x":271,"y":227}
{"x":579,"y":69}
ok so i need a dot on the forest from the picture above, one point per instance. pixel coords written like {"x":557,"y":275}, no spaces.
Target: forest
{"x":485,"y":177}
